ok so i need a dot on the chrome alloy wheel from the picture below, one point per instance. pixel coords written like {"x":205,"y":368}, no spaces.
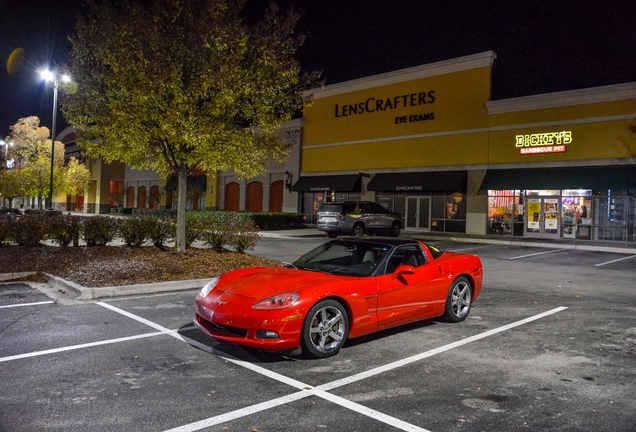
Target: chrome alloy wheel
{"x":328,"y":328}
{"x":460,"y":298}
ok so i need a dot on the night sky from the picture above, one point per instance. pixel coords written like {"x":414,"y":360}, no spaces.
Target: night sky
{"x":541,"y":46}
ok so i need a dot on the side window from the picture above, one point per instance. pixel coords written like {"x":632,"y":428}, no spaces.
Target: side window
{"x":406,"y":255}
{"x":365,"y":208}
{"x":377,"y":208}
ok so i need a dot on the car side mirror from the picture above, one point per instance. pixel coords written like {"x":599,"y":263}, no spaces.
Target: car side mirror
{"x":402,"y":270}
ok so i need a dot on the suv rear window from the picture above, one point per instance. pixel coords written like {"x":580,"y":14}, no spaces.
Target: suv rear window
{"x":331,"y":208}
{"x":337,"y":208}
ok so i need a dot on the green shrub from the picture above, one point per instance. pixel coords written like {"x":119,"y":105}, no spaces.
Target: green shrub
{"x":158,"y":213}
{"x":244,"y":235}
{"x":195,"y":228}
{"x":215,"y":234}
{"x":99,"y":230}
{"x":5,"y":210}
{"x":28,"y":230}
{"x":6,"y":222}
{"x":134,"y":230}
{"x":277,"y":221}
{"x":160,"y":230}
{"x":63,"y":229}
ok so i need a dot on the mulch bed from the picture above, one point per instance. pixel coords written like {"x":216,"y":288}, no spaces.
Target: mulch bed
{"x":122,"y":265}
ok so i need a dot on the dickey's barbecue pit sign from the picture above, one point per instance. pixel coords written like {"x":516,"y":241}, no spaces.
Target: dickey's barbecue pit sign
{"x":548,"y":142}
{"x":373,"y":105}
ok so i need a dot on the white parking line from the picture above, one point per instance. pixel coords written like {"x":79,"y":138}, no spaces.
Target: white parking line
{"x":305,"y":388}
{"x":75,"y":347}
{"x":27,"y":304}
{"x":535,"y":254}
{"x":616,"y":260}
{"x":475,"y":247}
{"x":86,"y":345}
{"x":320,"y":391}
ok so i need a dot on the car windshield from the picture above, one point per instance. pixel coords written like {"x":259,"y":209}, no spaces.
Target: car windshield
{"x":344,"y":258}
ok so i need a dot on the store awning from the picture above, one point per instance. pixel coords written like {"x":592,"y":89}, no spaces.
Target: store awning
{"x":419,"y":181}
{"x":336,"y":183}
{"x":198,"y":182}
{"x":607,"y":177}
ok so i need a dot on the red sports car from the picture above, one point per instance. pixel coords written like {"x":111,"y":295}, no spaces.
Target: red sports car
{"x":348,"y":287}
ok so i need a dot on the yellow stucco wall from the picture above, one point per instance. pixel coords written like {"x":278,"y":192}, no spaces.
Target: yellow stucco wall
{"x":598,"y":131}
{"x":449,"y":128}
{"x":341,"y":135}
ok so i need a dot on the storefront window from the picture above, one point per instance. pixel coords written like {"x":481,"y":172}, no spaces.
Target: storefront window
{"x":311,"y":202}
{"x":607,"y":215}
{"x":505,"y":212}
{"x":613,"y":216}
{"x":440,"y":211}
{"x":576,"y":212}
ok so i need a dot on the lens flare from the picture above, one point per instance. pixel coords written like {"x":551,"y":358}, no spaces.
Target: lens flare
{"x":14,"y":63}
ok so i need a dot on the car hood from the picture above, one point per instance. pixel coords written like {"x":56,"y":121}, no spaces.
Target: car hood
{"x":268,"y":282}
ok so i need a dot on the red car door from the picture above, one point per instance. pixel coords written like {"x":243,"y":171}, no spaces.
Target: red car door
{"x":410,"y":296}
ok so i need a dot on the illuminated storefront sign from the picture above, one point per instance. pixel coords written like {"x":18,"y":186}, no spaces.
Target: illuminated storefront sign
{"x":549,"y":142}
{"x":372,"y":104}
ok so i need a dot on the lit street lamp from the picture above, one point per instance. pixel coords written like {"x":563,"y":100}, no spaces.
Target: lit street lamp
{"x":6,"y":147}
{"x":47,"y":75}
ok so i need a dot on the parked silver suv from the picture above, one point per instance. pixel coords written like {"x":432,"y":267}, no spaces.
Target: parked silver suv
{"x":357,"y":218}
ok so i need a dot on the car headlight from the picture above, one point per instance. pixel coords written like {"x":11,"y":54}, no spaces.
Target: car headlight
{"x":209,"y":286}
{"x":280,"y":301}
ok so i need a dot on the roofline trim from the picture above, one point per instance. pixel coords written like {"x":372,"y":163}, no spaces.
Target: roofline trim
{"x":609,"y":93}
{"x":474,"y":61}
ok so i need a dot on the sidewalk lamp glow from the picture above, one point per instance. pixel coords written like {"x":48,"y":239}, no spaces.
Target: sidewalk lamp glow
{"x":48,"y":75}
{"x":6,"y":147}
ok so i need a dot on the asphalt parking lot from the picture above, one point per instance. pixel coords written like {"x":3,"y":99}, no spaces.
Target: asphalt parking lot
{"x":549,"y":345}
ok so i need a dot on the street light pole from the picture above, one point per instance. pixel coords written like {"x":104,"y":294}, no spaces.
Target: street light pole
{"x":48,"y":76}
{"x":50,"y":206}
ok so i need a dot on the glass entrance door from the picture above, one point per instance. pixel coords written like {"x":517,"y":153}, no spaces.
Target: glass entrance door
{"x":418,"y":213}
{"x":543,"y":218}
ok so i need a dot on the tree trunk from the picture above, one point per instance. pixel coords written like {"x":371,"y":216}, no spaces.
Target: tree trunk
{"x":181,"y":209}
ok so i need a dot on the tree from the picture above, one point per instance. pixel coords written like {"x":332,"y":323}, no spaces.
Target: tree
{"x":33,"y":158}
{"x":78,"y":178}
{"x":178,"y":85}
{"x":36,"y":175}
{"x":11,"y":185}
{"x":31,"y":140}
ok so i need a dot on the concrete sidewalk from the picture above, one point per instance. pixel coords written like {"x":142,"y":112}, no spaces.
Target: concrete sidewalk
{"x":586,"y":245}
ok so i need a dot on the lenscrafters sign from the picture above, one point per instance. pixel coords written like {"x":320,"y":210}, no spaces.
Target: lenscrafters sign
{"x":373,"y":104}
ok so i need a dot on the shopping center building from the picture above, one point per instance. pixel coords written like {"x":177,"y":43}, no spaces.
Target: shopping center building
{"x":430,"y":143}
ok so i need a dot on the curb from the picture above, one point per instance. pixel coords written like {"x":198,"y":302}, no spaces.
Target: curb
{"x":88,"y":293}
{"x":11,"y":276}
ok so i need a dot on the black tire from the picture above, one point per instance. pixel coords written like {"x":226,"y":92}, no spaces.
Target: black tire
{"x":358,"y":229}
{"x":395,"y":229}
{"x":325,"y":329}
{"x":459,"y":300}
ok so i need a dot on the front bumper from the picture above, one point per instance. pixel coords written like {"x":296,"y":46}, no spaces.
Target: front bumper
{"x":234,"y":321}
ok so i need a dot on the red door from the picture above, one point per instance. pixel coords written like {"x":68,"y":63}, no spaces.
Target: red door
{"x":141,"y":197}
{"x":232,"y":196}
{"x":130,"y":197}
{"x":276,"y":191}
{"x":254,"y":197}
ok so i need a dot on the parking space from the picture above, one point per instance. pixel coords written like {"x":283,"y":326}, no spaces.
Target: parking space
{"x":536,"y":353}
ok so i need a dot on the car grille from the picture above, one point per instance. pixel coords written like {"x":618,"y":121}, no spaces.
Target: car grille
{"x":227,"y":329}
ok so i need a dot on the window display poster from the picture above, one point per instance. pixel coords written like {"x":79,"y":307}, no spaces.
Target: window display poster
{"x":550,"y":208}
{"x":534,"y":211}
